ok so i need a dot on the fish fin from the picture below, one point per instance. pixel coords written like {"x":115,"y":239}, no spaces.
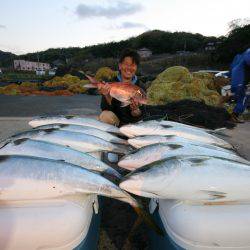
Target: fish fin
{"x":174,"y":146}
{"x":91,"y":79}
{"x":124,"y":104}
{"x":19,"y":141}
{"x":147,"y":218}
{"x":219,"y":203}
{"x":4,"y":143}
{"x":80,"y":71}
{"x":141,"y":212}
{"x":50,"y":130}
{"x":4,"y":157}
{"x":68,"y":117}
{"x":63,"y":125}
{"x":219,"y":129}
{"x":215,"y":195}
{"x":211,"y":132}
{"x":112,"y":172}
{"x":198,"y":160}
{"x":90,"y":86}
{"x":169,"y":136}
{"x":166,"y":126}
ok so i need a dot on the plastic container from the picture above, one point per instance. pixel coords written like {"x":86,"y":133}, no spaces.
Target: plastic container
{"x":208,"y":227}
{"x":69,"y":223}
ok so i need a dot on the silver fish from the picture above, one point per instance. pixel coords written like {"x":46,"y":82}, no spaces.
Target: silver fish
{"x":53,"y":151}
{"x":154,"y":128}
{"x":31,"y":178}
{"x":76,"y":120}
{"x":193,"y":178}
{"x":86,"y":130}
{"x":146,"y":140}
{"x":74,"y":140}
{"x":156,"y":152}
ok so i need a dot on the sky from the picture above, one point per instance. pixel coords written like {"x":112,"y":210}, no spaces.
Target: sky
{"x":32,"y":25}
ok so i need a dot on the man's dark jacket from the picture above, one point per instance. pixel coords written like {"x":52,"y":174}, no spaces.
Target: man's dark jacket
{"x":123,"y":113}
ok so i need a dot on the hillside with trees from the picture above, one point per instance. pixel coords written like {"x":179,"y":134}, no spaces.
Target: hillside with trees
{"x":237,"y":41}
{"x":159,"y":42}
{"x":6,"y":58}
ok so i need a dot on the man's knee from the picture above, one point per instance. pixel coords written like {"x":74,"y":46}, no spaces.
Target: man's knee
{"x":109,"y":117}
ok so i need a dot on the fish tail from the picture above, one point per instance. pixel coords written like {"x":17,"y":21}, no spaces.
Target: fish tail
{"x":139,"y":209}
{"x":113,"y":172}
{"x":146,"y":217}
{"x":91,"y":79}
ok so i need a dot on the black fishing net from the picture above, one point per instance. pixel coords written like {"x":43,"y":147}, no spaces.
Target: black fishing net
{"x":190,"y":112}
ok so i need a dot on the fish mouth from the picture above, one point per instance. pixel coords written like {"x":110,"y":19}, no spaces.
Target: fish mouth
{"x":124,"y":164}
{"x":125,"y":130}
{"x":136,"y":187}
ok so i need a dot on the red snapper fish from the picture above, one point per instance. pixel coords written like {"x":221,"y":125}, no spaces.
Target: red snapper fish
{"x":123,"y":92}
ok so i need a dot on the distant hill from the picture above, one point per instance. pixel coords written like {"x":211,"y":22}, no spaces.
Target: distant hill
{"x":159,"y":42}
{"x":6,"y":58}
{"x":156,"y":40}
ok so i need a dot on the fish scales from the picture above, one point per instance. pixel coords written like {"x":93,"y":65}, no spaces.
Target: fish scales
{"x":155,"y":128}
{"x":84,"y":121}
{"x":193,"y":178}
{"x":75,"y":140}
{"x":155,"y":152}
{"x":53,"y":151}
{"x":86,"y":130}
{"x":32,"y":178}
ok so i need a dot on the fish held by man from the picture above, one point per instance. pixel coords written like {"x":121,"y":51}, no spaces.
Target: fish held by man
{"x":123,"y":92}
{"x":192,"y":178}
{"x":32,"y":178}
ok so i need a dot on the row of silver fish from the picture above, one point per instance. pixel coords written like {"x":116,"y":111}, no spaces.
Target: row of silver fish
{"x":177,"y":161}
{"x":53,"y":160}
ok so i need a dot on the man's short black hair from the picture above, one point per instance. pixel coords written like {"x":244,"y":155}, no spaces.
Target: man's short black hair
{"x":130,"y":53}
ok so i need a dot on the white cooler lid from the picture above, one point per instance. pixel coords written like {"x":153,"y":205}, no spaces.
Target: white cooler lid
{"x":47,"y":224}
{"x":206,"y":227}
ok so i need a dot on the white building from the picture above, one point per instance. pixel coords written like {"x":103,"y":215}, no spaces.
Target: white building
{"x":30,"y":66}
{"x":144,"y":52}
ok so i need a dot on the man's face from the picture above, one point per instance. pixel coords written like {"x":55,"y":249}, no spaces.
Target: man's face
{"x":127,"y":68}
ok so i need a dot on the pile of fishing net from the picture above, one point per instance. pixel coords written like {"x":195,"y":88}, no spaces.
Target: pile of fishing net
{"x":72,"y":83}
{"x":66,"y":86}
{"x":191,"y":112}
{"x":177,"y":83}
{"x":11,"y":89}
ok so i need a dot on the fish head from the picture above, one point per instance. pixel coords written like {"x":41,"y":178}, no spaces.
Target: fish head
{"x":150,"y":180}
{"x":139,"y":128}
{"x":127,"y":130}
{"x":136,"y":142}
{"x":127,"y":160}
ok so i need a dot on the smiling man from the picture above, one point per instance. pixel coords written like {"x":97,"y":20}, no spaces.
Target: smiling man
{"x":112,"y":111}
